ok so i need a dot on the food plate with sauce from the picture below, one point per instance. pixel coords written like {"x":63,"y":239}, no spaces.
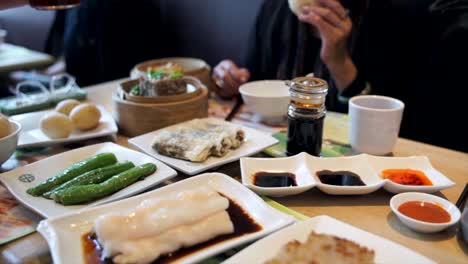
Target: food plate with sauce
{"x":416,"y":163}
{"x":423,"y":212}
{"x":32,"y":136}
{"x":18,"y":181}
{"x":385,"y":250}
{"x":65,"y":234}
{"x":354,"y":175}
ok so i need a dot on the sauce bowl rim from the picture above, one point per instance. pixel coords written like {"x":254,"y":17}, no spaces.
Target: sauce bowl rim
{"x":417,"y":196}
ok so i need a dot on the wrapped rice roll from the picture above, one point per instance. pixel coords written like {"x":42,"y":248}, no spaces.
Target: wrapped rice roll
{"x":232,"y":133}
{"x":183,"y":144}
{"x":163,"y":225}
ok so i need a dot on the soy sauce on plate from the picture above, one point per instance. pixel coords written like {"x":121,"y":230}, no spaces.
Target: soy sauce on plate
{"x":274,"y":179}
{"x":243,"y":224}
{"x":340,"y":178}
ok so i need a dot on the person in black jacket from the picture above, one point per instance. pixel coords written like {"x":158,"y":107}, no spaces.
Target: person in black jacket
{"x":102,"y":40}
{"x":402,"y":49}
{"x":282,"y":46}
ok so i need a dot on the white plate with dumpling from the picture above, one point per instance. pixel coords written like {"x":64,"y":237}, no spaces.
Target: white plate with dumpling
{"x":32,"y":135}
{"x":252,"y":142}
{"x":65,"y":234}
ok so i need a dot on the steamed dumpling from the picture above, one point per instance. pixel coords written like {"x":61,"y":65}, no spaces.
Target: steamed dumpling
{"x":85,"y":116}
{"x":5,"y":127}
{"x":56,"y":125}
{"x":66,"y":106}
{"x":296,"y":5}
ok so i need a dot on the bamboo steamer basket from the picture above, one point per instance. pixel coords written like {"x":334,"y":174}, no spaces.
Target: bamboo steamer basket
{"x":135,"y":119}
{"x":192,"y":67}
{"x":125,"y":87}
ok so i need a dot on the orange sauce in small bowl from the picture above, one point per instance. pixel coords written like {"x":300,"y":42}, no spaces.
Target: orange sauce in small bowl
{"x":425,"y":211}
{"x":407,"y":177}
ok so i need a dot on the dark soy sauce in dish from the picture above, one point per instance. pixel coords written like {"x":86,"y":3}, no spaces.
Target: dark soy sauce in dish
{"x":274,"y":179}
{"x":340,"y":178}
{"x":243,"y":224}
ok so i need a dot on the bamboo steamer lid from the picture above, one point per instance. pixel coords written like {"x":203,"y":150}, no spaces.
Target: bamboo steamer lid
{"x":192,"y":67}
{"x":139,"y":118}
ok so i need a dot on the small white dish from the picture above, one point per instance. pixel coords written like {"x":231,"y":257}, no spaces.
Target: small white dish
{"x":17,"y":183}
{"x":420,"y":163}
{"x":421,"y":226}
{"x":255,"y":141}
{"x":386,"y":251}
{"x":9,"y":143}
{"x":305,"y":168}
{"x":294,"y":164}
{"x":356,"y":164}
{"x":269,"y":99}
{"x":64,"y":234}
{"x":32,"y":136}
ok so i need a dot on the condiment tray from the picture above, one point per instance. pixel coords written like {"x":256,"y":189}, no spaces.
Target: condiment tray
{"x":367,"y":167}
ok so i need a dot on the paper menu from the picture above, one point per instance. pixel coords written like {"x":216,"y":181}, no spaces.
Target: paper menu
{"x":15,"y":220}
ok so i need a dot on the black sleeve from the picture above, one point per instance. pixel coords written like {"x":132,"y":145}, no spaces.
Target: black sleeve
{"x":253,"y":55}
{"x":356,"y":87}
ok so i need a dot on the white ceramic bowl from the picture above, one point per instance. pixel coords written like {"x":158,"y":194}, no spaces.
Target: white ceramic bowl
{"x":421,"y":226}
{"x":8,"y":144}
{"x":268,"y":99}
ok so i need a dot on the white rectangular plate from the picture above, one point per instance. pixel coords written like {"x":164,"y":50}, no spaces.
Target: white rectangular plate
{"x":385,"y":251}
{"x":64,"y":234}
{"x":32,"y":136}
{"x":255,"y":142}
{"x":369,"y":168}
{"x":48,"y":167}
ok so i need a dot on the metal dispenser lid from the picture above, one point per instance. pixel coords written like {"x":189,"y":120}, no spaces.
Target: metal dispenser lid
{"x":308,"y":85}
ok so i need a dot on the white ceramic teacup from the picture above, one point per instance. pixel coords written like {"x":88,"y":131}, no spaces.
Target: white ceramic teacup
{"x":374,"y":123}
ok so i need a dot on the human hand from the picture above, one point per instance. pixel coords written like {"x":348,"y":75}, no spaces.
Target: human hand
{"x":332,"y":21}
{"x":334,"y":26}
{"x":228,"y":77}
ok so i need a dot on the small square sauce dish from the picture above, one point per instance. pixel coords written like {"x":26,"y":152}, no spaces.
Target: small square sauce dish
{"x":409,"y":174}
{"x":277,"y":177}
{"x":344,"y":175}
{"x":425,"y":213}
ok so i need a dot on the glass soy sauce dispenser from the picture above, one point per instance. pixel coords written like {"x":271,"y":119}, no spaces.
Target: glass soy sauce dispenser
{"x":306,"y":113}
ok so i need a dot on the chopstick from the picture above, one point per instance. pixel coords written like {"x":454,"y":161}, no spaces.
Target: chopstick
{"x":235,"y":108}
{"x":462,"y":198}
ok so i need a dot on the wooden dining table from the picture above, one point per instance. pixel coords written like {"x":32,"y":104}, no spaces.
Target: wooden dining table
{"x":369,"y":212}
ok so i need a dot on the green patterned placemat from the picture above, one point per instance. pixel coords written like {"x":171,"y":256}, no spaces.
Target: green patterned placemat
{"x":335,"y":133}
{"x":329,"y":149}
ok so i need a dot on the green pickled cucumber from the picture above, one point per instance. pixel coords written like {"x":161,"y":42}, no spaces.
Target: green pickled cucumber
{"x":86,"y":193}
{"x":98,"y":161}
{"x":93,"y":177}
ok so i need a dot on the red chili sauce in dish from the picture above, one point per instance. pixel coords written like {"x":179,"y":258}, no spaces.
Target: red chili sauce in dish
{"x":406,"y":177}
{"x":425,"y":211}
